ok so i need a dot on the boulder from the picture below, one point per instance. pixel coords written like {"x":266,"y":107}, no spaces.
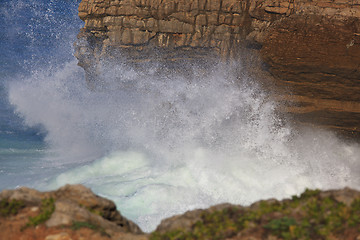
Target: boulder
{"x":63,"y":214}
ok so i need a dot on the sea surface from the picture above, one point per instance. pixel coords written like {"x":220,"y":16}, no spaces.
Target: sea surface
{"x":158,"y":143}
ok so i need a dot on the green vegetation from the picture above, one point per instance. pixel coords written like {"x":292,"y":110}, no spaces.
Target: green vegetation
{"x":282,"y":227}
{"x":308,"y":216}
{"x":354,"y":218}
{"x":46,"y":210}
{"x":92,"y":210}
{"x":8,"y":208}
{"x":95,"y":211}
{"x":308,"y":194}
{"x":77,"y":225}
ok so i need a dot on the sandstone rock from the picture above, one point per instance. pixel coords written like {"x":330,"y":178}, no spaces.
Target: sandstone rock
{"x":59,"y":236}
{"x":66,"y":212}
{"x":311,"y":48}
{"x":86,"y":198}
{"x":75,"y":206}
{"x":29,"y":196}
{"x":346,"y":195}
{"x":187,"y":220}
{"x":184,"y":221}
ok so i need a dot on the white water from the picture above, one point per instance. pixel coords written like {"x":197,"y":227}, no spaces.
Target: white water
{"x":161,"y":144}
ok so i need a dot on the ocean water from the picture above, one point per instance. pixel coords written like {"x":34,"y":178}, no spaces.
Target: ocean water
{"x":156,"y":142}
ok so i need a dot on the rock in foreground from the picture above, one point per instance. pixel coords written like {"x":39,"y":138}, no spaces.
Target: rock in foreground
{"x":74,"y":212}
{"x":312,"y":215}
{"x":71,"y":212}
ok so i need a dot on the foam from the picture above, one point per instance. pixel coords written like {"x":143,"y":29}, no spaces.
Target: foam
{"x":161,"y":144}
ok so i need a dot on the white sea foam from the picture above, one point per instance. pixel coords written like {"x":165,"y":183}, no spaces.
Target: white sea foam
{"x":161,"y":144}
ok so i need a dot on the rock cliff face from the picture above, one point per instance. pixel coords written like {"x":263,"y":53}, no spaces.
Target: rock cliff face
{"x":311,"y":48}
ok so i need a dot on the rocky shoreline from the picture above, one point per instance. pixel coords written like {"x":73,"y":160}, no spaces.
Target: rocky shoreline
{"x":75,"y":212}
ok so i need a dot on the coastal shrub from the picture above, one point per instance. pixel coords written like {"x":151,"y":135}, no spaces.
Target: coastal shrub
{"x":326,"y":216}
{"x":46,"y":210}
{"x":354,"y":218}
{"x":308,"y":216}
{"x":308,"y":193}
{"x":282,"y":227}
{"x":8,"y":208}
{"x":320,"y":219}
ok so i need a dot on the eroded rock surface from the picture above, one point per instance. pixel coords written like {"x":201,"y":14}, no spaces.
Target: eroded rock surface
{"x":71,"y":212}
{"x":311,"y":48}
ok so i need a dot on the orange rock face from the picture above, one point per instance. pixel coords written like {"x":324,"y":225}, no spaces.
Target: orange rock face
{"x":311,"y":48}
{"x":318,"y":59}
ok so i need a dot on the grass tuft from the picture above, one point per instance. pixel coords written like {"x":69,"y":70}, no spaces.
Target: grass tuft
{"x":46,"y":210}
{"x":9,"y":208}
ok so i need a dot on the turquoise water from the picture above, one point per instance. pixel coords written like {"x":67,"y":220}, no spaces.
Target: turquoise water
{"x":32,"y":34}
{"x":163,"y":144}
{"x":20,"y":148}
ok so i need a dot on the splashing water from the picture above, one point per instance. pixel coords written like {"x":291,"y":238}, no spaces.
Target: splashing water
{"x":161,"y":144}
{"x":155,"y":141}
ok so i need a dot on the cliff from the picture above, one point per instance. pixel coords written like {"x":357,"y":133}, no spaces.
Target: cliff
{"x":310,"y":48}
{"x":73,"y":212}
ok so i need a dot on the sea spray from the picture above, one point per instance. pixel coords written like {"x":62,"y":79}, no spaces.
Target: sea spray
{"x":156,"y":141}
{"x":35,"y":34}
{"x":160,"y":142}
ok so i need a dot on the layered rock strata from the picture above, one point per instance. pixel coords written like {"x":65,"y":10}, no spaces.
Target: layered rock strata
{"x":311,"y":48}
